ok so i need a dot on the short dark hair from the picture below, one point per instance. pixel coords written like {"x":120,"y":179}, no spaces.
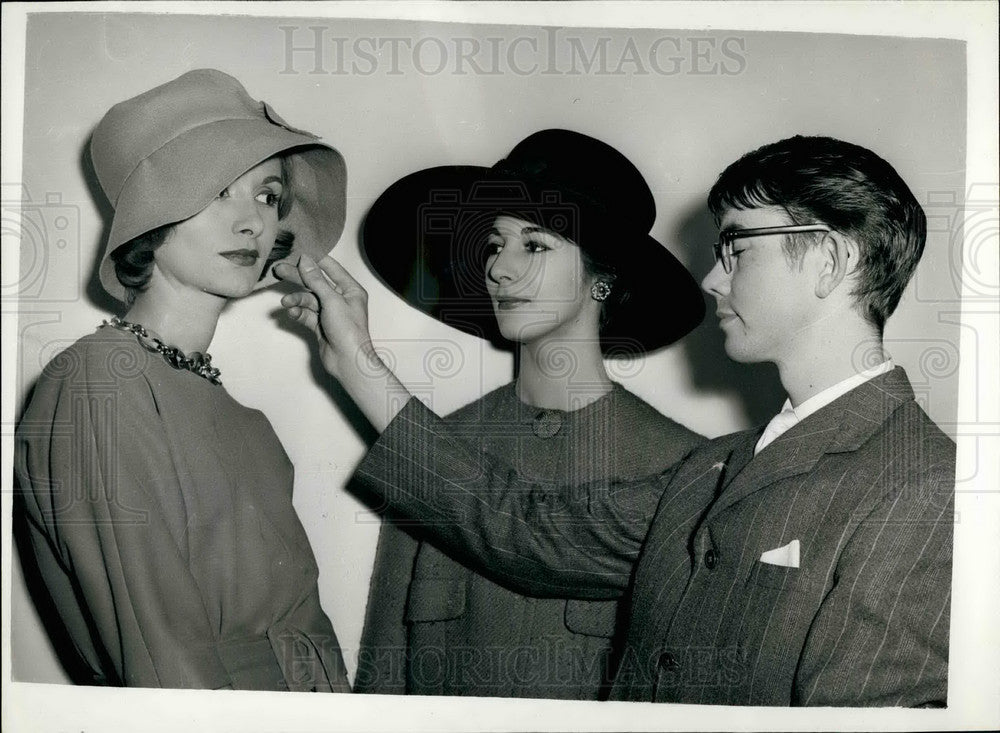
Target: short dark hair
{"x":847,"y":187}
{"x":134,"y":259}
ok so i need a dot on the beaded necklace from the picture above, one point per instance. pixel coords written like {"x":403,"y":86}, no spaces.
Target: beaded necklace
{"x":198,"y":363}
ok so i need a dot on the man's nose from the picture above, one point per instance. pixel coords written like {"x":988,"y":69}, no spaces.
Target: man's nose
{"x":716,"y":282}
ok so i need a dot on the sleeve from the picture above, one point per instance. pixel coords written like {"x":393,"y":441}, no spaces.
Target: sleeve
{"x":105,"y":519}
{"x":539,"y":539}
{"x":880,"y":637}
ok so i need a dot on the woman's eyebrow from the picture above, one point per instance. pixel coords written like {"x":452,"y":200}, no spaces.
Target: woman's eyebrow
{"x":273,"y":179}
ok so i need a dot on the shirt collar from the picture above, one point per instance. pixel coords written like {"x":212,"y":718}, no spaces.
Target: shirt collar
{"x":828,"y":395}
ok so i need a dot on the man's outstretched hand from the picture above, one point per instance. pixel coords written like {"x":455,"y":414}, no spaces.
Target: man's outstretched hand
{"x":335,"y":308}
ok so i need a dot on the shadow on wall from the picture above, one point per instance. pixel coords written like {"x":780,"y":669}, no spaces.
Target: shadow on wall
{"x":753,"y":389}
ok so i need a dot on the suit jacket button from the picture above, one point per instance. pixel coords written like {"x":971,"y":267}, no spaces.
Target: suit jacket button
{"x":668,"y":663}
{"x":711,"y":559}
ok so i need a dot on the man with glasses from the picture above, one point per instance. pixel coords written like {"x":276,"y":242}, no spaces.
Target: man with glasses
{"x":805,"y":563}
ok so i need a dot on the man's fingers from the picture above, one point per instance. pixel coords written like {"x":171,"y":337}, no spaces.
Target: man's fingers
{"x":285,"y":271}
{"x":301,"y":299}
{"x":341,"y":278}
{"x":323,"y":278}
{"x":314,"y":278}
{"x":307,"y":318}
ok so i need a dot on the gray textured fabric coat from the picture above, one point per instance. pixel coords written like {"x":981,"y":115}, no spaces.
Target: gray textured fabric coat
{"x":159,"y":511}
{"x":866,"y":485}
{"x":435,"y":626}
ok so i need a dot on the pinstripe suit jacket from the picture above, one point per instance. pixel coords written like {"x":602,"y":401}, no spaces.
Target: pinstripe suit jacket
{"x":865,"y":485}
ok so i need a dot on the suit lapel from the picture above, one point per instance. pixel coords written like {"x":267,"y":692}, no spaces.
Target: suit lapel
{"x":738,"y":459}
{"x":843,"y":425}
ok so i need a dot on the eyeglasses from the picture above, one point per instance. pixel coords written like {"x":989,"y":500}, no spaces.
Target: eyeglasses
{"x":724,"y":247}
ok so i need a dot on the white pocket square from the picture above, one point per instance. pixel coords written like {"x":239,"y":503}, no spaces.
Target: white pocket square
{"x":787,"y":556}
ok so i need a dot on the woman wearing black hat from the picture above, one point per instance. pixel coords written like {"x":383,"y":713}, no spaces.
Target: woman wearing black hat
{"x":158,"y":508}
{"x":548,"y":251}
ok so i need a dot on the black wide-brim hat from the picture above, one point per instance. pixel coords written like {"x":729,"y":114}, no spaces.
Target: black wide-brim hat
{"x":425,"y":237}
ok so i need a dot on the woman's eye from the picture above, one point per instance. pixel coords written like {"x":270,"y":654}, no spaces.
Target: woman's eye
{"x":223,"y":194}
{"x":493,"y":246}
{"x":269,"y":198}
{"x":533,"y":245}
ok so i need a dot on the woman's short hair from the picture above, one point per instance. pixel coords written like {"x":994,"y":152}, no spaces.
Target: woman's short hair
{"x":134,"y":259}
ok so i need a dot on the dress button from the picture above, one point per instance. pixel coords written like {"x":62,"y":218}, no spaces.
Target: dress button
{"x":547,"y":423}
{"x":668,"y":663}
{"x":711,"y":559}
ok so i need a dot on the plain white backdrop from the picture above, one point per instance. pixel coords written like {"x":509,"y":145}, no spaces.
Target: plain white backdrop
{"x":397,"y":95}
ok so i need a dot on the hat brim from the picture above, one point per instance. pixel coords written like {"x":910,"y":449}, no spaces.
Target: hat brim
{"x":424,"y":236}
{"x":184,"y":176}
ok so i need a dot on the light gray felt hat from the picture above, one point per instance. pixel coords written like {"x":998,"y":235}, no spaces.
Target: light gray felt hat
{"x":164,"y":155}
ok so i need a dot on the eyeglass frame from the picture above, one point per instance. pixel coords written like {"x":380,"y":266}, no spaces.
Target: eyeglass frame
{"x":723,"y":248}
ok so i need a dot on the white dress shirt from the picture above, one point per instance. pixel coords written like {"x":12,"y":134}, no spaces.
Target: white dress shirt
{"x":791,"y":416}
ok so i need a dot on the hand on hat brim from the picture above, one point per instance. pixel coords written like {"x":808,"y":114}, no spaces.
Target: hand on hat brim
{"x":335,"y":308}
{"x":302,"y":306}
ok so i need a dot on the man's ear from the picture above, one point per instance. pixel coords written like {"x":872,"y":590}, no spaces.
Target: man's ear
{"x":838,"y":257}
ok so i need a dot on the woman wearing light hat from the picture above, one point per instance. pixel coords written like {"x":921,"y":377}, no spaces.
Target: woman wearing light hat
{"x":159,"y":509}
{"x":548,"y":252}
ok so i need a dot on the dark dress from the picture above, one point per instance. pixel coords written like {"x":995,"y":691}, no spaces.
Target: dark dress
{"x":434,"y":626}
{"x":160,"y":513}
